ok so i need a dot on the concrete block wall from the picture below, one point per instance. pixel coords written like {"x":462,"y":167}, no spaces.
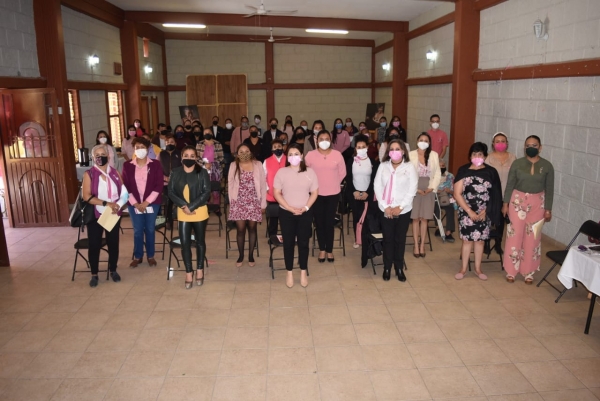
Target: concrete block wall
{"x":507,"y":39}
{"x":563,"y":112}
{"x":423,"y":101}
{"x":18,"y":48}
{"x":154,"y":60}
{"x":93,"y":115}
{"x":176,"y":99}
{"x":257,"y":104}
{"x":442,"y":41}
{"x":317,"y":64}
{"x":384,"y":95}
{"x":185,"y":57}
{"x":386,"y":37}
{"x":324,"y":104}
{"x":85,"y":36}
{"x":434,"y":13}
{"x":381,"y":58}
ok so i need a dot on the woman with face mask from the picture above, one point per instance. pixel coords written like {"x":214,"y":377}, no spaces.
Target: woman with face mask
{"x":271,"y":166}
{"x":126,"y":146}
{"x":295,"y":189}
{"x":478,"y":193}
{"x":340,"y":139}
{"x":181,"y":139}
{"x":391,"y":134}
{"x":381,"y":130}
{"x":139,"y":130}
{"x":427,"y":164}
{"x":395,"y":187}
{"x":288,"y":125}
{"x":397,"y":124}
{"x":102,"y":138}
{"x":528,"y":199}
{"x":103,"y":188}
{"x":189,"y":189}
{"x":310,"y":142}
{"x":247,"y":196}
{"x":239,"y":134}
{"x":210,"y":152}
{"x":143,"y":178}
{"x":330,"y":168}
{"x":256,"y":145}
{"x":299,"y":137}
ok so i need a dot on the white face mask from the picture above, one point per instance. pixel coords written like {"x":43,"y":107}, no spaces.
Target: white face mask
{"x":362,"y":153}
{"x":316,"y":131}
{"x":348,"y":124}
{"x":141,"y":153}
{"x":324,"y":145}
{"x":423,"y":145}
{"x":228,"y":125}
{"x":257,"y":121}
{"x":435,"y":125}
{"x":102,"y":140}
{"x":305,"y":127}
{"x":163,"y":144}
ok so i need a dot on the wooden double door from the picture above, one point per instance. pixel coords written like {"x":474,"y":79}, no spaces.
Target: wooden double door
{"x":150,"y":113}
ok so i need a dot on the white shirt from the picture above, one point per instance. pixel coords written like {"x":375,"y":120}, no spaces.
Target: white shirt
{"x":404,"y":187}
{"x":103,"y":193}
{"x":215,"y":128}
{"x":361,"y":174}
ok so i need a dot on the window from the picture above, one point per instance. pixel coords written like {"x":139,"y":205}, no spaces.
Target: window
{"x":115,"y":116}
{"x":74,"y":118}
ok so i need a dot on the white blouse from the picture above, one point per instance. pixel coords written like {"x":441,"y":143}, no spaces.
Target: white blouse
{"x":103,"y":193}
{"x":361,"y":174}
{"x":403,"y":189}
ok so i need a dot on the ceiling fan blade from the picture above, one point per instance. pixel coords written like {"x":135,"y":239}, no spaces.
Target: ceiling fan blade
{"x":282,"y":39}
{"x":259,"y":40}
{"x":250,"y":15}
{"x":252,"y":7}
{"x":281,"y":12}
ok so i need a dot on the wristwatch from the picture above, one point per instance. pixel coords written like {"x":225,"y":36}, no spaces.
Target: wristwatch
{"x":104,"y":203}
{"x":307,"y":208}
{"x":361,"y":193}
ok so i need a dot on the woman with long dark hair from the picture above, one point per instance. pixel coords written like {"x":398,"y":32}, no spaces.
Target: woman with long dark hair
{"x":340,"y":139}
{"x":103,"y":138}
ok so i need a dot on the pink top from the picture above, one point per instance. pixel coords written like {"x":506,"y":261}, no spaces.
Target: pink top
{"x":238,"y":137}
{"x":296,"y":187}
{"x":141,"y":178}
{"x":209,"y":153}
{"x":439,"y":140}
{"x":342,"y":141}
{"x":330,"y":170}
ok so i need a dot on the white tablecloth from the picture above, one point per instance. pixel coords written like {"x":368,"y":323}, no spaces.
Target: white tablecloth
{"x":583,"y":267}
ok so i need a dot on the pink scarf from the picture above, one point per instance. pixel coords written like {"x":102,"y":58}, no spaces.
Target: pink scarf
{"x":108,"y":181}
{"x":387,"y":191}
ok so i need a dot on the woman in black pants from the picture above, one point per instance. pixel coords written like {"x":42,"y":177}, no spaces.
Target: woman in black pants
{"x":296,"y":189}
{"x":395,"y":187}
{"x":330,"y":168}
{"x":189,"y":189}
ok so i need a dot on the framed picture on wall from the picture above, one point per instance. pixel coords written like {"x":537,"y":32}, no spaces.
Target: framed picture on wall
{"x":374,"y":112}
{"x":189,"y":114}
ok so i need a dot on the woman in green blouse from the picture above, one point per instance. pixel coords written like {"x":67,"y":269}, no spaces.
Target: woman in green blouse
{"x":528,"y":203}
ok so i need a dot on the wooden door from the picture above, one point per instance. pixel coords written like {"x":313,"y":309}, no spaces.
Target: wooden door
{"x":154,"y":112}
{"x":146,"y":115}
{"x":32,"y":158}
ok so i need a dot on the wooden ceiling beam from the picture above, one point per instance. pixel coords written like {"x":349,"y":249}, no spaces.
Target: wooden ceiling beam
{"x":432,"y":26}
{"x":483,"y":4}
{"x":578,"y":68}
{"x":260,"y":39}
{"x":99,"y":9}
{"x":150,"y":32}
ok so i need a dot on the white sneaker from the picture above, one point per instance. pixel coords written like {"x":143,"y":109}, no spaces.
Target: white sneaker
{"x":355,"y":246}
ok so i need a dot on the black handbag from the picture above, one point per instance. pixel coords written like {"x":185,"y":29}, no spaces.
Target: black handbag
{"x":82,"y":213}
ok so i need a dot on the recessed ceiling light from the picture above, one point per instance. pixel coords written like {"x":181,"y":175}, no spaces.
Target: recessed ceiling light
{"x":334,"y":31}
{"x":192,"y":26}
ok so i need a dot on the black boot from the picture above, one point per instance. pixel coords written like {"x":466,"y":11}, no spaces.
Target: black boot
{"x":386,"y":275}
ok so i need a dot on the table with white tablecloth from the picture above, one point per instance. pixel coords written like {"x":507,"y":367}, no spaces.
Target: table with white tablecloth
{"x":583,"y":266}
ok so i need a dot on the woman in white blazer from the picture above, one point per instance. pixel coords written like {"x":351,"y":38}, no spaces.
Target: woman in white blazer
{"x":427,"y":164}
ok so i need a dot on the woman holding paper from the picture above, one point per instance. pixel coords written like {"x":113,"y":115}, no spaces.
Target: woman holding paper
{"x":528,"y":203}
{"x":189,"y":189}
{"x":143,"y":178}
{"x":103,"y":188}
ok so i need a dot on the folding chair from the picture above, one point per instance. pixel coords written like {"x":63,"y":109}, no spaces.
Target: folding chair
{"x":175,"y":243}
{"x":589,"y":228}
{"x":83,"y":244}
{"x":428,"y":242}
{"x":374,"y":242}
{"x":275,"y":243}
{"x":272,"y":210}
{"x":161,"y":228}
{"x":339,"y":224}
{"x":230,"y":226}
{"x":496,"y":236}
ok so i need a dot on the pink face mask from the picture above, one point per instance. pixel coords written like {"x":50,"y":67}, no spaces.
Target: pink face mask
{"x":395,"y":155}
{"x":295,"y":160}
{"x":500,"y":147}
{"x":396,"y":124}
{"x":477,"y":161}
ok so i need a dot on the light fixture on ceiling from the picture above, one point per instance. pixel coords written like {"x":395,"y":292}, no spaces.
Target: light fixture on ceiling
{"x":539,"y":29}
{"x":431,"y":55}
{"x":147,"y":69}
{"x":386,"y":66}
{"x":94,"y":60}
{"x":333,"y":31}
{"x":189,"y":26}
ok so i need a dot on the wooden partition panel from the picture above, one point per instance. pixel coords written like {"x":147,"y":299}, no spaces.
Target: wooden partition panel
{"x":223,"y":95}
{"x":201,"y":90}
{"x":232,"y":89}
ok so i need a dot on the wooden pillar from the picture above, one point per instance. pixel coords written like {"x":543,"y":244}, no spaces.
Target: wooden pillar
{"x":464,"y":88}
{"x":131,"y":71}
{"x":270,"y":75}
{"x":373,"y":90}
{"x":47,"y":18}
{"x":4,"y":260}
{"x":400,"y":74}
{"x":166,"y":84}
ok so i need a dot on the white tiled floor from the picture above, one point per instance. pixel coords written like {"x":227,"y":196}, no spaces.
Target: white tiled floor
{"x":243,"y":336}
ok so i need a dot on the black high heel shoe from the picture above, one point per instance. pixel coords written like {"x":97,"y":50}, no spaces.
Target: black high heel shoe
{"x":400,"y":274}
{"x":386,"y":275}
{"x":321,"y":260}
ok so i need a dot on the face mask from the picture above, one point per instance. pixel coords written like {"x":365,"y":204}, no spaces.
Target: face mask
{"x":349,"y":124}
{"x":102,"y":140}
{"x":362,"y":127}
{"x":179,"y":134}
{"x":131,"y":133}
{"x":101,"y":160}
{"x":197,"y":134}
{"x":215,"y":122}
{"x":207,"y":137}
{"x":257,"y":121}
{"x":244,"y":125}
{"x":136,"y":125}
{"x":423,"y":145}
{"x":188,"y":162}
{"x":477,"y":161}
{"x":300,"y":135}
{"x":284,"y":142}
{"x":324,"y":145}
{"x":278,"y":152}
{"x":170,"y":148}
{"x":244,"y":157}
{"x":338,"y":126}
{"x":305,"y":127}
{"x":435,"y":125}
{"x":273,"y":126}
{"x":443,"y":169}
{"x":316,"y":131}
{"x":295,"y":160}
{"x":392,"y":137}
{"x":141,"y":153}
{"x":228,"y":125}
{"x":188,"y":127}
{"x":500,"y":147}
{"x":362,"y":153}
{"x":396,"y":124}
{"x":395,"y":155}
{"x":254,"y":134}
{"x":531,"y":152}
{"x":382,"y":124}
{"x":288,"y":122}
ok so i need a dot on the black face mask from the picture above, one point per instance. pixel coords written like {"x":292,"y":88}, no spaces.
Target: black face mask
{"x":215,"y":122}
{"x":188,"y":127}
{"x":179,"y":134}
{"x":300,"y":135}
{"x":207,"y":137}
{"x":278,"y":152}
{"x":101,"y":160}
{"x":198,"y":135}
{"x":288,"y":122}
{"x":392,"y":137}
{"x":254,"y":134}
{"x":531,"y":152}
{"x":443,"y":170}
{"x":170,"y":148}
{"x":273,"y":126}
{"x":188,"y":162}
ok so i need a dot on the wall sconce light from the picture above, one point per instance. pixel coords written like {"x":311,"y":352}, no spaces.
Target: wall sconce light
{"x":386,"y":66}
{"x":94,"y":60}
{"x":539,"y":29}
{"x":147,"y":69}
{"x":431,"y":55}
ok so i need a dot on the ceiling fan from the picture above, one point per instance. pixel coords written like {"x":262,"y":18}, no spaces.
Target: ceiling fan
{"x":262,"y":11}
{"x":271,"y":39}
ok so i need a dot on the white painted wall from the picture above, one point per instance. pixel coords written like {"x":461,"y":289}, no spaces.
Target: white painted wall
{"x":423,"y":101}
{"x":18,"y":48}
{"x":85,"y":36}
{"x":257,"y":104}
{"x":507,"y":39}
{"x":386,"y":37}
{"x":317,"y":64}
{"x":154,"y":60}
{"x":433,"y":14}
{"x":442,"y":41}
{"x":381,"y":58}
{"x":93,"y":115}
{"x":176,"y":99}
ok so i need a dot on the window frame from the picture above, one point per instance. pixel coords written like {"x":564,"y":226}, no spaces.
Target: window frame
{"x":109,"y":116}
{"x":73,"y":96}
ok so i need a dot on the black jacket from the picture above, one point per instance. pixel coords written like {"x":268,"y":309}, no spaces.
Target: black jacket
{"x":198,"y":183}
{"x":169,"y":161}
{"x":350,"y":185}
{"x":220,"y":133}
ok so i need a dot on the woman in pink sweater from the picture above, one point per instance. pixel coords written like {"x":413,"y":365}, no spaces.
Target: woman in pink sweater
{"x":330,"y":168}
